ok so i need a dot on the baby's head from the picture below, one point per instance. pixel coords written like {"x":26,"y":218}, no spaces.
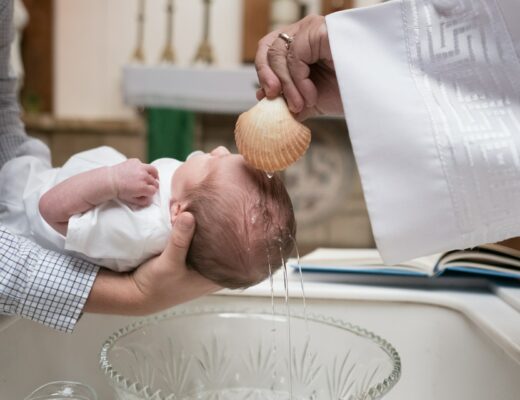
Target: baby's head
{"x":245,"y":220}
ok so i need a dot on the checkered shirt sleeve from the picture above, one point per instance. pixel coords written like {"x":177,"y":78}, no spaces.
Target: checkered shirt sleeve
{"x":35,"y":283}
{"x":42,"y":285}
{"x":12,"y":133}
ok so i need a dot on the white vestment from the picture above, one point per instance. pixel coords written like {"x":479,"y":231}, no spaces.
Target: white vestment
{"x":431,"y":94}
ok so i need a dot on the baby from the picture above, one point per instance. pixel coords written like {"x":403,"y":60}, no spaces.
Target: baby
{"x":119,"y":212}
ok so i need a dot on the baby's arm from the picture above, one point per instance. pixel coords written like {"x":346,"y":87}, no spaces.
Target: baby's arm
{"x":130,"y":181}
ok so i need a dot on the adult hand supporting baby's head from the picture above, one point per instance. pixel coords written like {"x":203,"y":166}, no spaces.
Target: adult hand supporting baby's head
{"x":159,"y":283}
{"x":166,"y":280}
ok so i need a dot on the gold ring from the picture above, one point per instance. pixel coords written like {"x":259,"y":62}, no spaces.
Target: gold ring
{"x":286,"y":38}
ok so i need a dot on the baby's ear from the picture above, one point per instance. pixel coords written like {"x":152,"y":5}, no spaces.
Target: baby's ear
{"x":176,"y":208}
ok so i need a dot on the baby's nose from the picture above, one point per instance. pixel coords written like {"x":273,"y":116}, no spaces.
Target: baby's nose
{"x":195,"y":154}
{"x":220,"y":151}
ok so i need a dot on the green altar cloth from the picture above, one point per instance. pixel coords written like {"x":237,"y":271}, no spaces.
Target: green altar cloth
{"x":170,"y":133}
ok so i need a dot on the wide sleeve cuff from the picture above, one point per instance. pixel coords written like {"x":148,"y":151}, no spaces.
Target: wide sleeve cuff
{"x":433,"y":119}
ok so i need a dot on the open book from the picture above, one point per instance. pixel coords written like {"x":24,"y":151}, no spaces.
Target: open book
{"x":487,"y":260}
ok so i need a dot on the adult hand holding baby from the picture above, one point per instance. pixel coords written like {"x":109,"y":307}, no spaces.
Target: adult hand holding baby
{"x":159,"y":283}
{"x":50,"y":287}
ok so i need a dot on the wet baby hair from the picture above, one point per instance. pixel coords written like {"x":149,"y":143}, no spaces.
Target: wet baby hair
{"x":241,"y":235}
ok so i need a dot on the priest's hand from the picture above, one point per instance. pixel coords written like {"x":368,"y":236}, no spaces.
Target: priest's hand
{"x":301,"y":69}
{"x":159,"y":283}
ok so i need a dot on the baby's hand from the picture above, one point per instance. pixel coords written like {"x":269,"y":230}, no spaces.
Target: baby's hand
{"x":135,"y":182}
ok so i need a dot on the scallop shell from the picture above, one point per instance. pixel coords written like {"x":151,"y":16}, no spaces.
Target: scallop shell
{"x":269,"y":137}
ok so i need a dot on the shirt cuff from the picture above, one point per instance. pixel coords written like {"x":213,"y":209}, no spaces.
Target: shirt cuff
{"x":77,"y":233}
{"x":57,"y":288}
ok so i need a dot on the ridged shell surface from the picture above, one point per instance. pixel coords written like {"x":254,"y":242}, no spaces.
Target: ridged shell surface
{"x":269,"y":137}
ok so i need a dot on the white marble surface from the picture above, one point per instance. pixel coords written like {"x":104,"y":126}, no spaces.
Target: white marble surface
{"x":495,"y":315}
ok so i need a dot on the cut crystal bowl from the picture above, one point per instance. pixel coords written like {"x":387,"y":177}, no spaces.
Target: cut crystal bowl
{"x":231,"y":354}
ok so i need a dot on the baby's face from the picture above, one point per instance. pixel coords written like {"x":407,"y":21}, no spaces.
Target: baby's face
{"x":229,"y":169}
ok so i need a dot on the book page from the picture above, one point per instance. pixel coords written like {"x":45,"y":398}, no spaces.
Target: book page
{"x":363,"y":261}
{"x":489,"y":259}
{"x":483,"y":260}
{"x":497,"y":248}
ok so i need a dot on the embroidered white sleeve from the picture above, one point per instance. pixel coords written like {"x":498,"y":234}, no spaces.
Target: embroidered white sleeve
{"x":464,"y":64}
{"x":431,"y":95}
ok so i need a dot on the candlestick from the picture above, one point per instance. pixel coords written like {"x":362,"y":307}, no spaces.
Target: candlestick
{"x":168,"y":54}
{"x":205,"y":52}
{"x":138,"y":55}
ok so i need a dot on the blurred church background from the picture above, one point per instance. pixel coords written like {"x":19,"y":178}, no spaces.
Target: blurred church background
{"x":75,"y":54}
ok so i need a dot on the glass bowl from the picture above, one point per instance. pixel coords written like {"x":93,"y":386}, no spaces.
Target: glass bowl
{"x":63,"y":390}
{"x":230,"y":354}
